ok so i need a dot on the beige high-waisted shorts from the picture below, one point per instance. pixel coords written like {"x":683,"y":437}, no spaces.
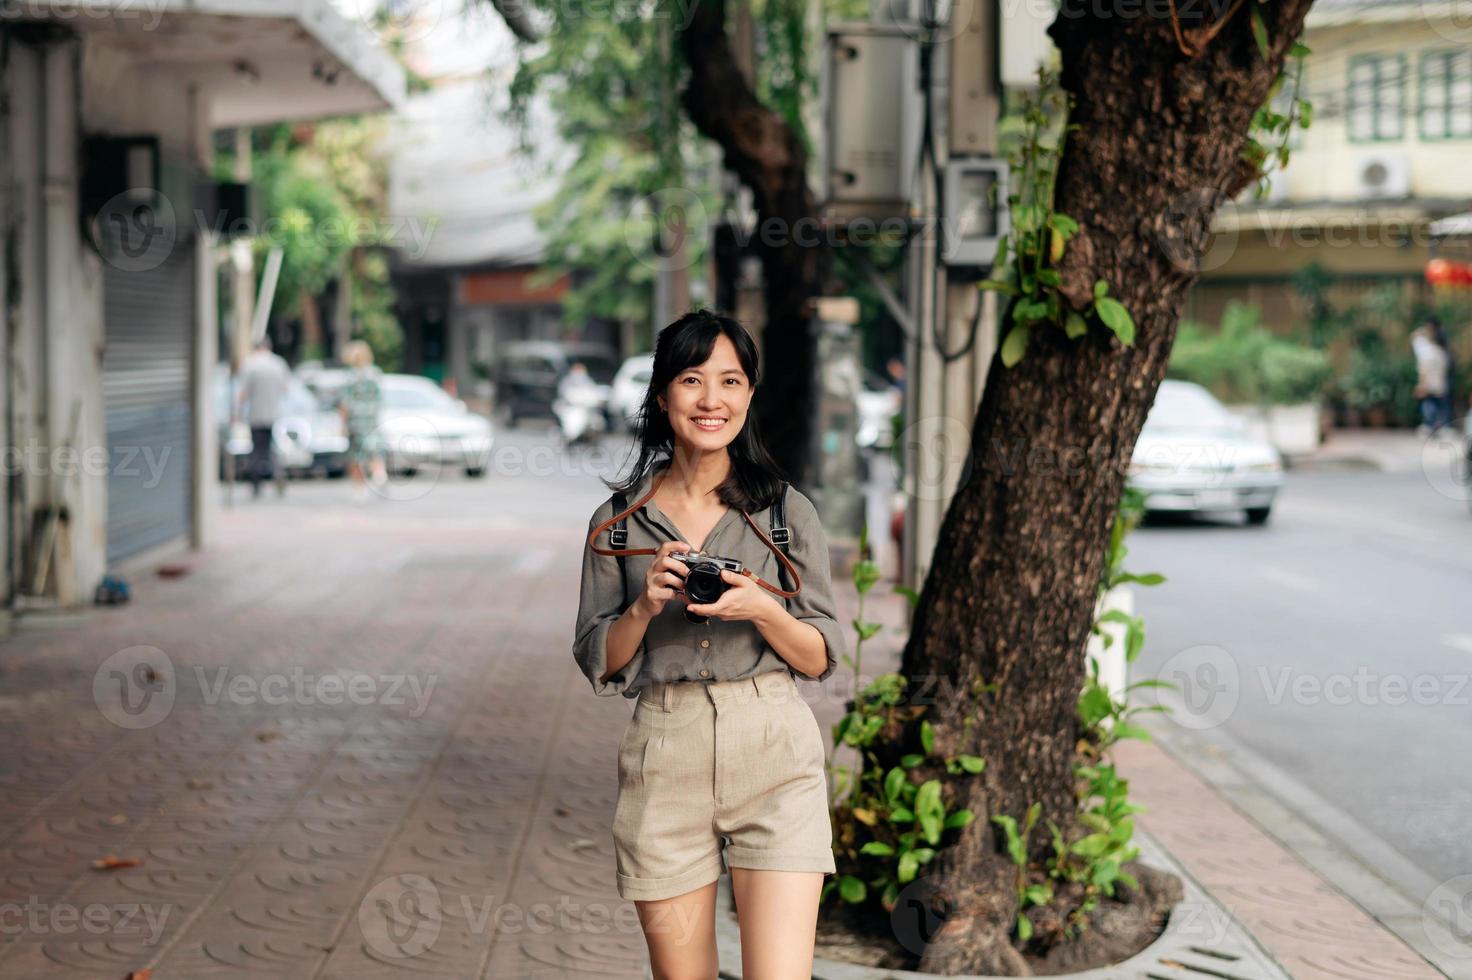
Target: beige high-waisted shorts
{"x":706,"y":768}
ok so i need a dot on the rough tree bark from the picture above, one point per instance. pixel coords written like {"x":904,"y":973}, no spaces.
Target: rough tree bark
{"x":766,"y":154}
{"x":1016,"y":569}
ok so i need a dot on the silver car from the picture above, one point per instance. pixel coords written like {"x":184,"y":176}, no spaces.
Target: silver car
{"x":419,"y":423}
{"x":1194,"y":456}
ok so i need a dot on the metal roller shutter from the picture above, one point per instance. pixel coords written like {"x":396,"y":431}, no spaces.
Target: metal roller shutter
{"x":149,"y":318}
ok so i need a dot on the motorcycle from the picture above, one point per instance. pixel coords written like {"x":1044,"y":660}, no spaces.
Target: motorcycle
{"x":581,"y":412}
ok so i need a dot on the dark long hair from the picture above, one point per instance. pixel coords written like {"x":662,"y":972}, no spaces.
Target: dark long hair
{"x":755,"y":476}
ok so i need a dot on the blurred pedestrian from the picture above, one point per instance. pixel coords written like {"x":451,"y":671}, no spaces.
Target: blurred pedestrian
{"x":1439,"y":334}
{"x":359,"y":404}
{"x":1431,"y":374}
{"x":264,"y":377}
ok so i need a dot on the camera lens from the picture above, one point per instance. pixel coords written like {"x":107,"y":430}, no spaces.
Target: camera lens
{"x":704,"y":584}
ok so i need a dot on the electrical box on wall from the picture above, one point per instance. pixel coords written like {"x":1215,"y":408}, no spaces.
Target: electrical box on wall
{"x":872,"y":113}
{"x":976,"y":213}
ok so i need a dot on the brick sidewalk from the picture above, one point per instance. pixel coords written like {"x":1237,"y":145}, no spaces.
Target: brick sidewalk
{"x":457,"y":828}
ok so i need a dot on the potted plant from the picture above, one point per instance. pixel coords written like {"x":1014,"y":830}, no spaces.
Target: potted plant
{"x":1274,"y":384}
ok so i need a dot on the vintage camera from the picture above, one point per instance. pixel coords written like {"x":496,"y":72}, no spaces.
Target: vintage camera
{"x":703,"y":582}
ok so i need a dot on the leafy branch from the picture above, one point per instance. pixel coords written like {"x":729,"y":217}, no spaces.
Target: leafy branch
{"x":1028,"y":257}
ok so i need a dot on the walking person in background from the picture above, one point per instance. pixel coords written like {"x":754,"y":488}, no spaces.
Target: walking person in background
{"x":264,"y":377}
{"x":1439,"y":334}
{"x":359,"y":404}
{"x":1431,"y":375}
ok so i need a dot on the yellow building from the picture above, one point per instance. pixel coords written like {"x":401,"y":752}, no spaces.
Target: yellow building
{"x":1389,"y":151}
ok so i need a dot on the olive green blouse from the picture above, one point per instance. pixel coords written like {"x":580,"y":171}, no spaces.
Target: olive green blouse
{"x":674,"y":649}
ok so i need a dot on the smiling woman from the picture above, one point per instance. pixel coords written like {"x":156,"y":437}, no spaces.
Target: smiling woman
{"x":722,"y":758}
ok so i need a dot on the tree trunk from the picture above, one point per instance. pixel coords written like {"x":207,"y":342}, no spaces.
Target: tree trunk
{"x":1016,"y":570}
{"x":765,"y":153}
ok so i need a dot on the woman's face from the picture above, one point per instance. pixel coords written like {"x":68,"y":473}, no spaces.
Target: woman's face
{"x":707,"y":403}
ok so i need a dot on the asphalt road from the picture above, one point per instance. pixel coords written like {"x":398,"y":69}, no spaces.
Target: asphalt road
{"x":1336,"y":645}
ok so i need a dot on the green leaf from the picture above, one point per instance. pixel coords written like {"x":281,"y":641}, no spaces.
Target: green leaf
{"x":996,"y":285}
{"x":1123,"y":731}
{"x":1299,"y":50}
{"x":1101,"y":289}
{"x":927,"y":736}
{"x":1049,"y":277}
{"x":908,"y":593}
{"x":971,"y":763}
{"x":924,"y":854}
{"x":901,"y":814}
{"x":1024,"y":928}
{"x":894,"y":783}
{"x":877,"y":848}
{"x":1145,"y":578}
{"x":1116,"y":318}
{"x":1259,"y":32}
{"x":1015,"y":345}
{"x":959,"y":818}
{"x":1305,"y":113}
{"x":907,"y":868}
{"x":1063,"y":224}
{"x":911,"y":760}
{"x":852,"y":889}
{"x":1075,"y":326}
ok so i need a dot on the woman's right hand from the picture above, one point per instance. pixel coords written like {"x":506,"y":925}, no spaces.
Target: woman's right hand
{"x":665,"y":578}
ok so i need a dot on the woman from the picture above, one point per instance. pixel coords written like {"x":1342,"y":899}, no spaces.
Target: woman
{"x":722,"y":756}
{"x":358,"y":404}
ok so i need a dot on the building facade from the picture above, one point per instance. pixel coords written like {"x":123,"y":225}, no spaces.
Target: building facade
{"x":112,"y":232}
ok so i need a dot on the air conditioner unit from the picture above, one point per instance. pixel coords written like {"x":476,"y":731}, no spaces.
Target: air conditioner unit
{"x":1382,"y":175}
{"x":873,"y":109}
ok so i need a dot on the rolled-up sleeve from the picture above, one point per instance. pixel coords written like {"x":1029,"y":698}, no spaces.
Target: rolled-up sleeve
{"x":600,"y":602}
{"x":814,"y":602}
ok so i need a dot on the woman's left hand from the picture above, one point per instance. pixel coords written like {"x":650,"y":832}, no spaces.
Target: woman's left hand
{"x":743,"y":599}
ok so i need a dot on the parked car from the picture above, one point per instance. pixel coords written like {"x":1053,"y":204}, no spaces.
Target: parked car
{"x":1194,"y":456}
{"x":528,"y":373}
{"x":306,"y":438}
{"x":630,"y":385}
{"x":419,"y":423}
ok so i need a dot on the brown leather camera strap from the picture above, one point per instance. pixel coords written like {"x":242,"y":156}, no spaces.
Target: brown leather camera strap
{"x":614,"y":553}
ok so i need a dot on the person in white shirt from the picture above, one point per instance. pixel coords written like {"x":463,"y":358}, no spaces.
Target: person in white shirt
{"x":264,"y":377}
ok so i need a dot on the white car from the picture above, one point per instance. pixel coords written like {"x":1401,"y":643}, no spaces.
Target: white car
{"x":878,"y":401}
{"x":419,"y":423}
{"x":627,"y":392}
{"x":630,"y":384}
{"x":1194,"y":456}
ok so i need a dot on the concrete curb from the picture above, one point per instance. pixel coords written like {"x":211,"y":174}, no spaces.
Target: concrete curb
{"x":1201,"y":939}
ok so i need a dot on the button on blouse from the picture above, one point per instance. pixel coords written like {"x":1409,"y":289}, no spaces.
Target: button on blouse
{"x":673,"y":648}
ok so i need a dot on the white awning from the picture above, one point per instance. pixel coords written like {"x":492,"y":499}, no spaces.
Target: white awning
{"x":253,"y":61}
